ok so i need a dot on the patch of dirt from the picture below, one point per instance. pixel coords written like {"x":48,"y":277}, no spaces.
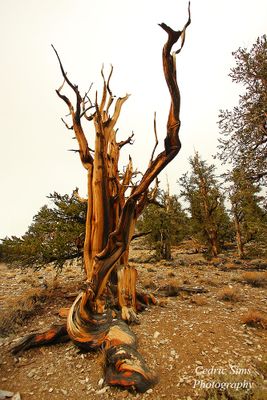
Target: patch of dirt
{"x":192,"y":342}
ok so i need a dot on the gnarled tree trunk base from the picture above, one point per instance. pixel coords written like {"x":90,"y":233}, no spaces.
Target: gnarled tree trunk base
{"x":124,"y":365}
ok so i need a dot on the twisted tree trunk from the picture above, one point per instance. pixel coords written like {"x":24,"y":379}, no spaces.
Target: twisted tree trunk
{"x":110,"y":225}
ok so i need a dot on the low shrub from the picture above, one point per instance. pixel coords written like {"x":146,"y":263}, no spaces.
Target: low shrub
{"x":229,"y":294}
{"x":256,"y":319}
{"x":256,"y":279}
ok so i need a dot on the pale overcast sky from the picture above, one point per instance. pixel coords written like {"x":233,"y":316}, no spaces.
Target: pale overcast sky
{"x":34,"y":156}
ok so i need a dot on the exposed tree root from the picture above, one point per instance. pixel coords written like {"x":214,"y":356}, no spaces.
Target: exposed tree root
{"x":56,"y":334}
{"x":128,"y":314}
{"x":124,"y":366}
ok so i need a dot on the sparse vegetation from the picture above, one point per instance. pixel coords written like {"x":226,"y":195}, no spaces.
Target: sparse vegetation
{"x":21,"y":308}
{"x":196,"y":321}
{"x":262,"y":366}
{"x":199,"y":300}
{"x":252,"y":388}
{"x":229,"y":294}
{"x":257,"y":279}
{"x":255,"y":319}
{"x":230,"y":265}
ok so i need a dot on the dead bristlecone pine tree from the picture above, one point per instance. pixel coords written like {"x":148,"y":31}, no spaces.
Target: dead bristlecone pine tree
{"x":113,"y":206}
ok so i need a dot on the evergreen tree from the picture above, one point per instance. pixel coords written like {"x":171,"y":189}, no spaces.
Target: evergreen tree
{"x":243,"y":130}
{"x":55,"y":235}
{"x":201,"y":189}
{"x":167,"y":223}
{"x":248,"y":214}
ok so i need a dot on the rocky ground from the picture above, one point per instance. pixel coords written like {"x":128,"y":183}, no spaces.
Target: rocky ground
{"x":193,"y":341}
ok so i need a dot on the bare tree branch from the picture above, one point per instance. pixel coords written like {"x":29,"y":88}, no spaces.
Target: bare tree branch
{"x":156,"y":138}
{"x":85,"y":156}
{"x":66,"y":125}
{"x":78,"y":197}
{"x":127,"y":141}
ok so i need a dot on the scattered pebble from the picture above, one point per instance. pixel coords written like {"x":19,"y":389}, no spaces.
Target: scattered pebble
{"x":100,"y":382}
{"x":156,"y":334}
{"x":103,"y":390}
{"x":5,"y":393}
{"x":16,"y":396}
{"x":31,"y":373}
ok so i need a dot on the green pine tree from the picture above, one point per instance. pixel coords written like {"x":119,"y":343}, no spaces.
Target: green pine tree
{"x":167,"y":223}
{"x":55,"y":235}
{"x":209,"y":219}
{"x":247,"y":210}
{"x":244,"y":129}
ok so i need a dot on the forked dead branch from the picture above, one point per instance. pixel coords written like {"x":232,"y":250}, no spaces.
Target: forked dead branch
{"x":112,"y":212}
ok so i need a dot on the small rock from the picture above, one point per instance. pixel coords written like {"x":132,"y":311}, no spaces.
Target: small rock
{"x":16,"y":396}
{"x":215,"y":350}
{"x":101,"y":391}
{"x":5,"y":393}
{"x":164,"y":341}
{"x":64,"y":391}
{"x":50,"y":390}
{"x":198,"y":362}
{"x":149,"y":391}
{"x":156,"y":334}
{"x":31,"y":373}
{"x":100,"y":382}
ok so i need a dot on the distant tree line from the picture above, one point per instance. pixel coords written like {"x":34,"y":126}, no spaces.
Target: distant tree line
{"x":214,"y":210}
